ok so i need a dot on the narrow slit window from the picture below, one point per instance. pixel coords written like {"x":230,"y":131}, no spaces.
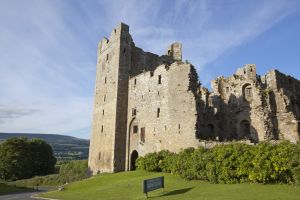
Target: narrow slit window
{"x":105,"y":80}
{"x":103,"y":112}
{"x":179,"y":126}
{"x":99,"y":155}
{"x":151,"y":74}
{"x":104,"y":98}
{"x":124,"y":50}
{"x":102,"y":129}
{"x":159,"y":79}
{"x":143,"y":135}
{"x":135,"y":81}
{"x":106,"y":57}
{"x":158,"y":112}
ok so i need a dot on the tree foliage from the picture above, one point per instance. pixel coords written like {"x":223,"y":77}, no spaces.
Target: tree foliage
{"x":22,"y":158}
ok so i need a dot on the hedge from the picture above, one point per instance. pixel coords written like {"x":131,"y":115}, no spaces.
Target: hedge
{"x":230,"y":163}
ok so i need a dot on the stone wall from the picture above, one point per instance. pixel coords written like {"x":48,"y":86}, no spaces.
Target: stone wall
{"x":145,"y":103}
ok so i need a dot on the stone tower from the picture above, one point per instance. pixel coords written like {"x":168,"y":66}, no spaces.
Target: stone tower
{"x":108,"y":140}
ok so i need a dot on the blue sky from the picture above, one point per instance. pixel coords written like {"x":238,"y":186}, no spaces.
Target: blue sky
{"x":48,"y":49}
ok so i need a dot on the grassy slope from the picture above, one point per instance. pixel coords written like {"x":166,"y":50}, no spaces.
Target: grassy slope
{"x":128,"y":185}
{"x":5,"y":189}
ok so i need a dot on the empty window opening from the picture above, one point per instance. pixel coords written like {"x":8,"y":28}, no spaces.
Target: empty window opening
{"x":134,"y":112}
{"x":135,"y":129}
{"x":143,"y":135}
{"x":102,"y":129}
{"x":159,"y":79}
{"x":251,"y":70}
{"x":103,"y":112}
{"x":135,"y":81}
{"x":158,"y":111}
{"x":124,"y":50}
{"x":106,"y":57}
{"x":104,"y":98}
{"x":151,"y":74}
{"x":115,"y":30}
{"x":247,"y":92}
{"x":99,"y":155}
{"x":105,"y":80}
{"x":179,"y":126}
{"x":158,"y":93}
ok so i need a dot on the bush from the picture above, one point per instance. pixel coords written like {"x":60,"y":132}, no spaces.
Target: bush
{"x":231,"y":163}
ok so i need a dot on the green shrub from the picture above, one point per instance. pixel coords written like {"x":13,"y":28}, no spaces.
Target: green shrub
{"x":231,"y":163}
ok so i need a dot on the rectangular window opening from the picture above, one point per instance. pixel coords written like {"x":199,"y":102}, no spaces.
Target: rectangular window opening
{"x":103,"y":112}
{"x":102,"y":129}
{"x":158,"y":111}
{"x":135,"y":129}
{"x":134,"y":112}
{"x":105,"y":80}
{"x":151,"y":74}
{"x":104,"y":98}
{"x":106,"y":57}
{"x":135,"y":81}
{"x":159,"y":79}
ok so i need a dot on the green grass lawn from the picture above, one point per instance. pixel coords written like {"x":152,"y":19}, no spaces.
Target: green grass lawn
{"x":128,"y":185}
{"x":6,"y":189}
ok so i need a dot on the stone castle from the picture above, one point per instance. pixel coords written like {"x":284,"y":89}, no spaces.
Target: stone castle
{"x":146,"y":103}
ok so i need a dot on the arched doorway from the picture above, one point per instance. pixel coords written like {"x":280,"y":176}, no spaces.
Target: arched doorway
{"x":210,"y":132}
{"x":134,"y":156}
{"x":245,"y":129}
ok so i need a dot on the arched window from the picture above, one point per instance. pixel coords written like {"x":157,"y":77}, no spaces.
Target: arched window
{"x":247,"y":92}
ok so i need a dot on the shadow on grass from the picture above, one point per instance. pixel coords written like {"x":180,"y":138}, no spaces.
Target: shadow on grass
{"x":176,"y":192}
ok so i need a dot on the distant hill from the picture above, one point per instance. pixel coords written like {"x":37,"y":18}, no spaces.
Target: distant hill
{"x":64,"y":147}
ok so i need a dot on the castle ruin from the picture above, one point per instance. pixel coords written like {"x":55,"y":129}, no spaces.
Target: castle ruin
{"x":145,"y":103}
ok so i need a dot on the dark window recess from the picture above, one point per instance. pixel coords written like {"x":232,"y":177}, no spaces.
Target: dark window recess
{"x":158,"y":111}
{"x":159,"y":79}
{"x":105,"y":80}
{"x":143,"y":135}
{"x":151,"y":74}
{"x":103,"y":112}
{"x":178,"y":126}
{"x":135,"y":81}
{"x":104,"y":98}
{"x":106,"y":57}
{"x":227,"y":89}
{"x":124,"y":50}
{"x":135,"y":129}
{"x":99,"y":156}
{"x":133,"y":112}
{"x":102,"y":129}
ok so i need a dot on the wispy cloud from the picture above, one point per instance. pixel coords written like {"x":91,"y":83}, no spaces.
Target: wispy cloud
{"x":48,"y":49}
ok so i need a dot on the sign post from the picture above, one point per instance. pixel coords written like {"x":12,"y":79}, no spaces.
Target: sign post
{"x":153,"y":184}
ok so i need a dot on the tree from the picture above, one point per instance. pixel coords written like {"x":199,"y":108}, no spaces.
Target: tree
{"x":22,"y":158}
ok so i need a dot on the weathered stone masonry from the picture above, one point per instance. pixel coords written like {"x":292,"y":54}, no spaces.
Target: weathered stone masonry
{"x":146,"y":103}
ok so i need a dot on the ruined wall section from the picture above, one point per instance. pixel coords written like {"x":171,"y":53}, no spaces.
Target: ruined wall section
{"x":161,"y":104}
{"x":237,"y":104}
{"x":109,"y":119}
{"x":284,"y":101}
